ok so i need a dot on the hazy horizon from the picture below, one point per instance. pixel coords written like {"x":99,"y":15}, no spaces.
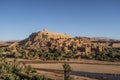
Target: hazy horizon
{"x":97,"y":37}
{"x":88,"y":18}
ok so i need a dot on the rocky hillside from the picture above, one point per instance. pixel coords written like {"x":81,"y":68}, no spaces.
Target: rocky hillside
{"x":52,"y":42}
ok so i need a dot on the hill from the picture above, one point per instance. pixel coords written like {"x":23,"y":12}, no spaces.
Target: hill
{"x":53,"y":42}
{"x":45,"y":44}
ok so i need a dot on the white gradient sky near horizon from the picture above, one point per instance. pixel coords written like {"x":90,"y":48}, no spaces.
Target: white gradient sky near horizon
{"x":90,"y":18}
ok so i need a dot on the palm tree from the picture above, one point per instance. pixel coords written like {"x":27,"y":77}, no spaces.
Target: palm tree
{"x":67,"y":70}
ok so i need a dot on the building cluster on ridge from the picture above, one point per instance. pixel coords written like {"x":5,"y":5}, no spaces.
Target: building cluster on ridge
{"x":52,"y":42}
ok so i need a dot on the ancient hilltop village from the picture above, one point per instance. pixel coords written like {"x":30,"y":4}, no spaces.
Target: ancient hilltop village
{"x":52,"y":42}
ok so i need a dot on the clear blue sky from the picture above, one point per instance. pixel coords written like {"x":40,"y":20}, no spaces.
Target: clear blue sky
{"x":92,"y":18}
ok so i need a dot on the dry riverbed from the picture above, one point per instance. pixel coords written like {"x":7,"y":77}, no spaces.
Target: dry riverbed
{"x":53,"y":69}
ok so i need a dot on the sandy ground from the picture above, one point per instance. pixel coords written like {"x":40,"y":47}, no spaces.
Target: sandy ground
{"x":56,"y":76}
{"x":108,"y":69}
{"x":81,"y":65}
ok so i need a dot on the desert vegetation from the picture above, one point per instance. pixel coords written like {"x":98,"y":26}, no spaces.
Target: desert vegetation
{"x":67,"y":69}
{"x":18,"y":71}
{"x":106,"y":55}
